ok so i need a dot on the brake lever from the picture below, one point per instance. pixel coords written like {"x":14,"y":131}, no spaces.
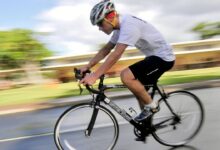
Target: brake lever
{"x":80,"y":89}
{"x":79,"y":76}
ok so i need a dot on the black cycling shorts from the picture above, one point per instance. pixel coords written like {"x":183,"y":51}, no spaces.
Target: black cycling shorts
{"x":149,"y":70}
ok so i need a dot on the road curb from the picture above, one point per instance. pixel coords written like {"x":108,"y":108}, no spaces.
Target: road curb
{"x":112,"y":95}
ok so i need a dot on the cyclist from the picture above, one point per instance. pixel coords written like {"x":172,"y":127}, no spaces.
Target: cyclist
{"x":127,"y":31}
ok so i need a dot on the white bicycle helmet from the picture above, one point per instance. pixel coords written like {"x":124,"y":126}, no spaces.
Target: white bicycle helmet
{"x":100,"y":10}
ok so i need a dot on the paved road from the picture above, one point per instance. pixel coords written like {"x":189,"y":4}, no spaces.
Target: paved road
{"x":33,"y":130}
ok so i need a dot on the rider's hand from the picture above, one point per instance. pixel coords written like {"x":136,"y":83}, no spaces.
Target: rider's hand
{"x":83,"y":69}
{"x":89,"y":79}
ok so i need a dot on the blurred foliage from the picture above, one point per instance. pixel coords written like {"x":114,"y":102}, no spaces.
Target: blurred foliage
{"x":19,"y":46}
{"x":207,"y":29}
{"x":15,"y":76}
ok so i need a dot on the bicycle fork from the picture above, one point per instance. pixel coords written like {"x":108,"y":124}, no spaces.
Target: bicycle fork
{"x":88,"y":131}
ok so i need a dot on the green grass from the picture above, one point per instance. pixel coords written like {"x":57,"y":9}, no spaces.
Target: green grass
{"x":40,"y":93}
{"x":177,"y":77}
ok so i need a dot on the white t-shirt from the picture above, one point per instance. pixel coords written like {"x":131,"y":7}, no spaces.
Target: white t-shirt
{"x":139,"y":33}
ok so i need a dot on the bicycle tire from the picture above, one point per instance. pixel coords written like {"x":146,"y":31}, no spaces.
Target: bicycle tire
{"x":69,"y":131}
{"x":190,"y":120}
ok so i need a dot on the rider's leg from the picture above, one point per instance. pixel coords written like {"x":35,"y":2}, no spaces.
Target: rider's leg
{"x":136,"y":87}
{"x":147,"y":105}
{"x":146,"y":71}
{"x":141,"y":105}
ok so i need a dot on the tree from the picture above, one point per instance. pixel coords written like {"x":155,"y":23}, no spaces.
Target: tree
{"x":207,"y":29}
{"x":20,"y":48}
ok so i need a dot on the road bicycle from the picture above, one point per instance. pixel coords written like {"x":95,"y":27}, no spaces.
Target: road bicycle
{"x":93,"y":126}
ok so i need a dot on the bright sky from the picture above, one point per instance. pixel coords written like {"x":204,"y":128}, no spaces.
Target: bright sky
{"x":72,"y":33}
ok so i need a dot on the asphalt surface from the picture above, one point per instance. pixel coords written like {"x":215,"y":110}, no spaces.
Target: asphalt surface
{"x":34,"y":130}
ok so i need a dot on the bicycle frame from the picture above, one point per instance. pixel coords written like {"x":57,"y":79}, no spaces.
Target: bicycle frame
{"x":165,"y":120}
{"x":101,"y":97}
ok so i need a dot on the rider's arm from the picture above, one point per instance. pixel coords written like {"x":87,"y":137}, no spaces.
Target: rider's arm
{"x":102,"y":53}
{"x":111,"y":60}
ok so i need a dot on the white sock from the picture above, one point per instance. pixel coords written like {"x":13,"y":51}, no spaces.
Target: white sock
{"x":152,"y":105}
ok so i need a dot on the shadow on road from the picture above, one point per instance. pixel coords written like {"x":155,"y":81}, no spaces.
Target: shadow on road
{"x":186,"y":147}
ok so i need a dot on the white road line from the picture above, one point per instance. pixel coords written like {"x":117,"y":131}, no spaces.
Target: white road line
{"x":24,"y":137}
{"x":40,"y":135}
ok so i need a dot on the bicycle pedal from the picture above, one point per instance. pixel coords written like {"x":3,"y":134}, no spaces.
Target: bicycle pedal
{"x":141,"y":139}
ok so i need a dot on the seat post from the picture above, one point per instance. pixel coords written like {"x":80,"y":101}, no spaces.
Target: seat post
{"x":162,"y":94}
{"x":154,"y":88}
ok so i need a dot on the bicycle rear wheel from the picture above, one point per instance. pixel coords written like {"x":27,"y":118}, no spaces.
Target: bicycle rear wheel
{"x":179,"y":129}
{"x":70,"y":129}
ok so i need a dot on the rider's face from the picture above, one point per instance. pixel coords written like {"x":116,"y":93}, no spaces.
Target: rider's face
{"x":105,"y":26}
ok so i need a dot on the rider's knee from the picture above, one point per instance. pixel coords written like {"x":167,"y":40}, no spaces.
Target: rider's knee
{"x":125,"y":78}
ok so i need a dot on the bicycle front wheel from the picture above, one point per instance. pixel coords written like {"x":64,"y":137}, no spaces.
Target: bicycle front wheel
{"x":180,"y":118}
{"x":71,"y":129}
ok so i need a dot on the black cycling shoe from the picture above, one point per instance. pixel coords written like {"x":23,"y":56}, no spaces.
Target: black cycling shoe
{"x":146,"y":114}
